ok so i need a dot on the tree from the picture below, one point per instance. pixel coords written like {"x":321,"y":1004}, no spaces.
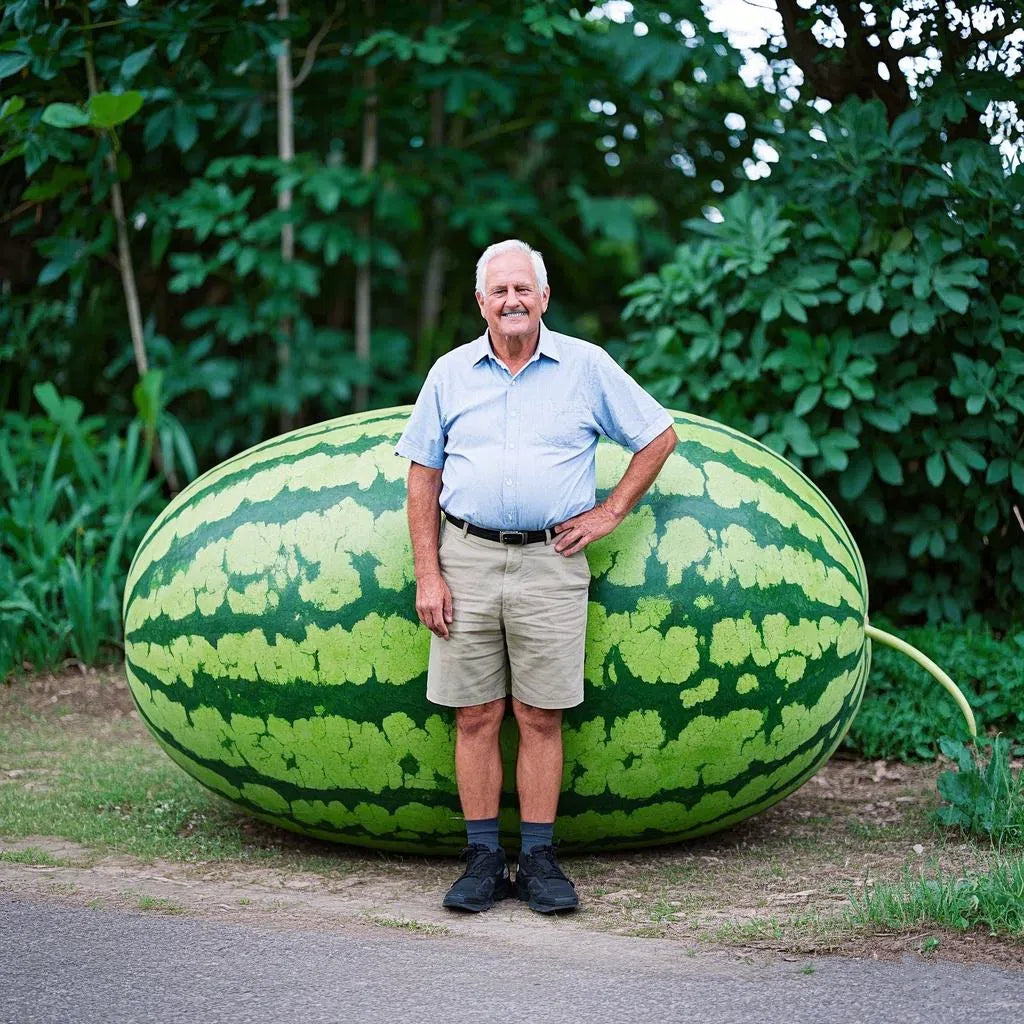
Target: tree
{"x":860,"y":310}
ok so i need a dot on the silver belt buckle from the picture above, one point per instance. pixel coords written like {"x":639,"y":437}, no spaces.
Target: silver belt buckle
{"x":511,"y":537}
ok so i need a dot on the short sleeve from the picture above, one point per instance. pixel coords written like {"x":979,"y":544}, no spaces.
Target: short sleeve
{"x":625,"y":412}
{"x":423,"y":439}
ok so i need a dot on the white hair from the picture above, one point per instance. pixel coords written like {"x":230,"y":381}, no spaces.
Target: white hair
{"x":510,"y":245}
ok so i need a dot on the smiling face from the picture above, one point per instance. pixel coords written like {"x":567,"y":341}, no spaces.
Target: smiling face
{"x":512,"y":304}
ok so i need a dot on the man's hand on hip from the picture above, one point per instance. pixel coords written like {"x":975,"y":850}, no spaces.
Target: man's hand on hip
{"x":576,"y":533}
{"x":434,"y":603}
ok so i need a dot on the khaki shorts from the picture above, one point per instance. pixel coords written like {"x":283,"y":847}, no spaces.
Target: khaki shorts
{"x":518,"y":611}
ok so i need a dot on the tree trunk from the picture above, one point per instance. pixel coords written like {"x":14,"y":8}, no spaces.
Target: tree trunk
{"x":286,"y":153}
{"x":124,"y":252}
{"x":437,"y":260}
{"x":364,"y":270}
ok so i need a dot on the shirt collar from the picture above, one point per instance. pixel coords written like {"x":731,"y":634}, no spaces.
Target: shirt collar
{"x":547,"y":346}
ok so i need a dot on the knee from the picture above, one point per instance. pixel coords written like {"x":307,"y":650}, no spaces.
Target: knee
{"x":539,"y":721}
{"x":481,"y":719}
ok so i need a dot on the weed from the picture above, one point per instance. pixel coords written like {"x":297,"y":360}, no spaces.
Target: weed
{"x":410,"y":925}
{"x":33,"y":855}
{"x":159,"y":905}
{"x":664,"y":912}
{"x":985,"y":796}
{"x":807,"y":969}
{"x":994,"y":899}
{"x":930,"y":944}
{"x":244,"y":901}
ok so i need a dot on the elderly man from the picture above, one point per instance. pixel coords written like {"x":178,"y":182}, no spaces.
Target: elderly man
{"x":501,"y":504}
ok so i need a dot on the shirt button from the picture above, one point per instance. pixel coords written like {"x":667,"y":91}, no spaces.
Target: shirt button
{"x":508,"y":480}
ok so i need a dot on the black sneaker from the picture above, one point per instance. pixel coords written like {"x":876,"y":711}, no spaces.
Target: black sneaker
{"x":541,"y":881}
{"x":484,"y":881}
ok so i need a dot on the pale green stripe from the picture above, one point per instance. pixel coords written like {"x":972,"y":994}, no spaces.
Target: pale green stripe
{"x":314,"y":472}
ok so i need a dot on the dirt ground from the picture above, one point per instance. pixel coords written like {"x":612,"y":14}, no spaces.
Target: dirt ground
{"x":775,"y":886}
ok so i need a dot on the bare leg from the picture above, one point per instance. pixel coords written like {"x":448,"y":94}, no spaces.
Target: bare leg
{"x":539,"y":767}
{"x":478,"y":758}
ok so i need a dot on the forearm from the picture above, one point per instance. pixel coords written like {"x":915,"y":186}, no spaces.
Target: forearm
{"x":423,"y":509}
{"x":641,"y":472}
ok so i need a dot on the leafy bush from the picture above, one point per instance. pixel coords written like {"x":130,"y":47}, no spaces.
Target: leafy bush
{"x":860,"y":311}
{"x":904,"y":711}
{"x":76,"y":501}
{"x":985,"y":796}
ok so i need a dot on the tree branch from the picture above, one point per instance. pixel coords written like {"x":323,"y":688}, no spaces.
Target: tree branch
{"x":314,"y":45}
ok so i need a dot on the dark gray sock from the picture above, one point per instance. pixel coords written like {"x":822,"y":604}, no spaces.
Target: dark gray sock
{"x":484,"y":832}
{"x":535,"y":833}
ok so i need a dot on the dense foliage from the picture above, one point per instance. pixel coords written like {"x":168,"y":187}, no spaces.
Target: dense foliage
{"x":905,"y":712}
{"x":861,"y":311}
{"x":223,"y":220}
{"x":420,"y":134}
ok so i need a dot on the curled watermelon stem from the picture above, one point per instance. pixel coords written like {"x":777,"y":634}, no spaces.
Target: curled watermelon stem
{"x":888,"y":640}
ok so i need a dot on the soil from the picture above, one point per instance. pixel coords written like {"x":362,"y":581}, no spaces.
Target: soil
{"x":775,"y":886}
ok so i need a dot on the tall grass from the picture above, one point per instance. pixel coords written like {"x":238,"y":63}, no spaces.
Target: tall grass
{"x":994,"y":900}
{"x":75,"y":500}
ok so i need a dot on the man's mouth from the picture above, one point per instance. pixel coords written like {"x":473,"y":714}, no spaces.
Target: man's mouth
{"x":515,"y":312}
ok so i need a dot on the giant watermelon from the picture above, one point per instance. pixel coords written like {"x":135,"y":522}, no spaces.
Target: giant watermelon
{"x":273,"y":650}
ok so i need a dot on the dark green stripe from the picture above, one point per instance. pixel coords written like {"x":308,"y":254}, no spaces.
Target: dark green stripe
{"x":248,"y":468}
{"x":370,"y":702}
{"x":242,"y":775}
{"x":845,"y":538}
{"x":283,"y":508}
{"x":769,"y":481}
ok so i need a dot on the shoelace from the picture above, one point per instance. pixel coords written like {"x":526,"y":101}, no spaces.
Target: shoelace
{"x":476,"y":858}
{"x":544,"y":864}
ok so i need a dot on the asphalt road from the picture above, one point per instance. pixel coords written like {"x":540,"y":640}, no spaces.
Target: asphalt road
{"x":69,"y":965}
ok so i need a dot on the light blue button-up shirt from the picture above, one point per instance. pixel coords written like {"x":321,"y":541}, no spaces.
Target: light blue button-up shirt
{"x":517,"y":453}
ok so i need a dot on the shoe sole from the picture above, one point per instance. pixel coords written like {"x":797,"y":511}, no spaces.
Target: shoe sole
{"x":546,"y":908}
{"x":459,"y":903}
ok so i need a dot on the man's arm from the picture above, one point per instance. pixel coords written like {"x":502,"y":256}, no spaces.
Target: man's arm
{"x":433,"y":598}
{"x":576,"y":533}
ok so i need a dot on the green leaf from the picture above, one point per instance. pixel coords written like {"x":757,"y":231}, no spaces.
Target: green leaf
{"x":792,"y":305}
{"x":998,"y":471}
{"x":888,"y":466}
{"x":856,"y":477}
{"x":65,"y":115}
{"x":147,"y":397}
{"x":1017,"y":477}
{"x":65,"y":411}
{"x":134,"y":63}
{"x":975,"y":403}
{"x":900,"y":323}
{"x":107,"y":109}
{"x":807,"y":399}
{"x":935,"y":469}
{"x":11,"y":107}
{"x":959,"y":470}
{"x":12,"y":63}
{"x":185,"y":126}
{"x":955,"y":298}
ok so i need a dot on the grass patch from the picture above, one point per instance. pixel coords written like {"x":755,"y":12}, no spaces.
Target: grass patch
{"x":159,"y":905}
{"x":34,"y":856}
{"x":992,"y":899}
{"x":121,"y":792}
{"x":409,"y":925}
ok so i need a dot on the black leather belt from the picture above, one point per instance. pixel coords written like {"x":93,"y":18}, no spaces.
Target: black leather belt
{"x":516,"y":537}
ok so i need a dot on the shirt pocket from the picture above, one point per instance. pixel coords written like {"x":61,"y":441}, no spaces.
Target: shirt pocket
{"x":563,"y":424}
